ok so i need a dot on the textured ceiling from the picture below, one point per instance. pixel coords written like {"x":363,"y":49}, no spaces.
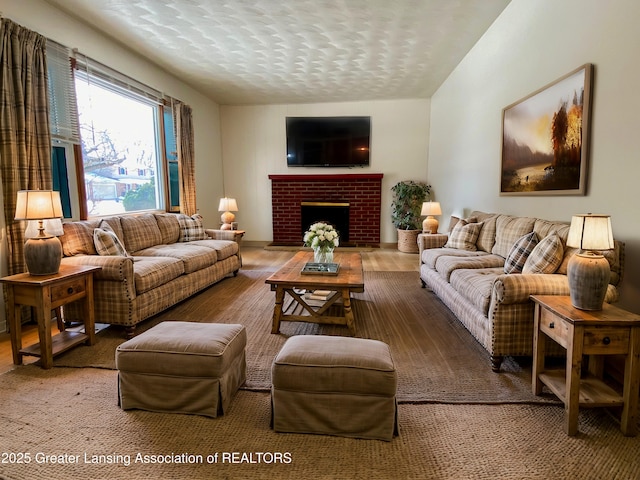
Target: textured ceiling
{"x":297,"y":51}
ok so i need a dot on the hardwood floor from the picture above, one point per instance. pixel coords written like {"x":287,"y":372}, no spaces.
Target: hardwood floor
{"x":253,"y":258}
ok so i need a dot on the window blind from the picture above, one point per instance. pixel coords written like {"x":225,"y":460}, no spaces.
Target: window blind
{"x":63,"y":113}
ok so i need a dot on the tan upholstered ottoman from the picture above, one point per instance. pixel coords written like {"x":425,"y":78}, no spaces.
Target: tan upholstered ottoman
{"x":182,"y":367}
{"x":334,"y":385}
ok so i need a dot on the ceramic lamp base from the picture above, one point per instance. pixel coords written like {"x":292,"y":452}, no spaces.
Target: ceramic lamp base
{"x":430,"y":225}
{"x":589,"y":276}
{"x":43,"y":255}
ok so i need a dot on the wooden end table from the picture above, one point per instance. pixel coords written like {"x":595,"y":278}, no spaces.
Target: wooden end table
{"x":46,"y":293}
{"x":289,"y":279}
{"x":610,"y":331}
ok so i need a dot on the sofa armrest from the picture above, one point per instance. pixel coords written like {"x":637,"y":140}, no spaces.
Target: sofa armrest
{"x":114,"y":268}
{"x":216,"y":234}
{"x":431,"y":240}
{"x":517,"y":288}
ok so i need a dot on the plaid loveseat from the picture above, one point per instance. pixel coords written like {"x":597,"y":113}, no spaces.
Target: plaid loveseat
{"x":149,"y":263}
{"x":493,"y":305}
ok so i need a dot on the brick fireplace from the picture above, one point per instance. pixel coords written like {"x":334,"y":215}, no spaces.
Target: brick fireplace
{"x":361,"y":192}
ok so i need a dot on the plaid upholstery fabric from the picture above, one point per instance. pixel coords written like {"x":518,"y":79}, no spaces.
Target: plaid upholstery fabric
{"x":221,"y":234}
{"x":520,"y":252}
{"x":107,"y":243}
{"x":446,"y":265}
{"x":193,"y":257}
{"x":140,"y":232}
{"x":191,"y":228}
{"x":464,"y":235}
{"x":151,"y":272}
{"x":476,"y":285}
{"x":508,"y":231}
{"x":431,"y":256}
{"x":124,"y":298}
{"x":462,"y":279}
{"x":546,"y":257}
{"x":223,"y":248}
{"x":78,"y":238}
{"x":487,"y":236}
{"x":169,"y":227}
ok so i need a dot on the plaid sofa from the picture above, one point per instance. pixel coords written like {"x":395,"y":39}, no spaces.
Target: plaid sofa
{"x":493,"y":305}
{"x":149,"y":263}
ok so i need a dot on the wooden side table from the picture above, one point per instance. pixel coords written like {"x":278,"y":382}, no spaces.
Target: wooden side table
{"x":46,"y":293}
{"x":610,"y":331}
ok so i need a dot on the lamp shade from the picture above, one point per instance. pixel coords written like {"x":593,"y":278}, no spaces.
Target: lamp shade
{"x":431,"y":208}
{"x":38,"y":205}
{"x":590,"y":232}
{"x":228,"y":205}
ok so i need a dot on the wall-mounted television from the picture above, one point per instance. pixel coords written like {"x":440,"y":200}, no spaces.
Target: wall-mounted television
{"x":328,"y":141}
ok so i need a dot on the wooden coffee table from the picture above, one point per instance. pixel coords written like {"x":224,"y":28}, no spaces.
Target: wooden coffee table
{"x":291,"y":281}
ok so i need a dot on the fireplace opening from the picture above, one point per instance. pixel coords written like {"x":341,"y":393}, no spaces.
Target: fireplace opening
{"x":335,"y":213}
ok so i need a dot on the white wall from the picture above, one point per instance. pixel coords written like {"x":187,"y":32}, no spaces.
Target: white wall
{"x":531,"y":44}
{"x":254,"y":146}
{"x":41,"y":17}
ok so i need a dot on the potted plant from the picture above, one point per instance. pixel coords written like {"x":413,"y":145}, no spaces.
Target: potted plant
{"x":408,"y":197}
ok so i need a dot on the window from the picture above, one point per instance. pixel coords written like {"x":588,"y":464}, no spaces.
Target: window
{"x":126,"y":144}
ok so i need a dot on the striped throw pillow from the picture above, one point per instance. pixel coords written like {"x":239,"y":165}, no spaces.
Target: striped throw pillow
{"x":546,"y":257}
{"x":520,"y":252}
{"x":107,"y":242}
{"x":191,"y":228}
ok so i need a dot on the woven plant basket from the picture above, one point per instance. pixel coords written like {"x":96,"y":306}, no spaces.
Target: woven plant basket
{"x":408,"y":241}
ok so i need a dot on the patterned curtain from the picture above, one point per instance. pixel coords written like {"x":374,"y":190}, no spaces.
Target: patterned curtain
{"x":184,"y":139}
{"x":25,"y":140}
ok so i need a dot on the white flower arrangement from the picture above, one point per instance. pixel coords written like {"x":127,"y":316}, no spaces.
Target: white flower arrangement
{"x":321,"y":235}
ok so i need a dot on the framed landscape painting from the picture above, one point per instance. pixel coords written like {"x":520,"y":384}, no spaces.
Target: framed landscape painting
{"x":545,"y":138}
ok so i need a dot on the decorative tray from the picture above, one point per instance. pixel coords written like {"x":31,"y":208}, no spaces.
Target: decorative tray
{"x":313,"y":268}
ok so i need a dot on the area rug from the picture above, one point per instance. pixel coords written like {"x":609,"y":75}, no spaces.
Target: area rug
{"x":68,"y":413}
{"x":437,"y":360}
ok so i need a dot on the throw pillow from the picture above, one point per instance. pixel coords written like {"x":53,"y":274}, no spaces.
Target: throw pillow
{"x":520,"y":252}
{"x":464,"y":235}
{"x":546,"y":257}
{"x":191,"y":228}
{"x":107,"y":242}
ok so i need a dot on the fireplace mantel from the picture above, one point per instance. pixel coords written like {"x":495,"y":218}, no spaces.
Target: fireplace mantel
{"x":363,"y":192}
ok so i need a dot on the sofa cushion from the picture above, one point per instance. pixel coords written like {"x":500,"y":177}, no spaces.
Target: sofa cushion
{"x":520,"y":252}
{"x":169,"y":227}
{"x":151,"y":272}
{"x":140,"y":232}
{"x":78,"y":238}
{"x":194,"y":258}
{"x":508,"y":231}
{"x":476,"y":285}
{"x":453,"y":221}
{"x":430,"y":256}
{"x":107,"y":242}
{"x":223,"y":248}
{"x":191,"y":228}
{"x":445,"y":265}
{"x":464,"y":235}
{"x":546,"y":257}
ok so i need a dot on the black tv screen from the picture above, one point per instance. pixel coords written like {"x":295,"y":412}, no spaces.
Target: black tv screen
{"x":328,"y":141}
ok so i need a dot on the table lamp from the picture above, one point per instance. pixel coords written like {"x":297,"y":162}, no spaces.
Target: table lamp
{"x":227,"y":205}
{"x":42,"y":251}
{"x":430,"y":224}
{"x":588,"y":271}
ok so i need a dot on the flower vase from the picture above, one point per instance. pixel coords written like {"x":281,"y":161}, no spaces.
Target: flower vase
{"x":323,"y":255}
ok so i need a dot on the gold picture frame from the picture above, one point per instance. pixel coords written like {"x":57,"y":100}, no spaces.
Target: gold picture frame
{"x":545,"y":138}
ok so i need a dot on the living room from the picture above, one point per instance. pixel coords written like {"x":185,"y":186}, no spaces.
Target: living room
{"x":452,"y":139}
